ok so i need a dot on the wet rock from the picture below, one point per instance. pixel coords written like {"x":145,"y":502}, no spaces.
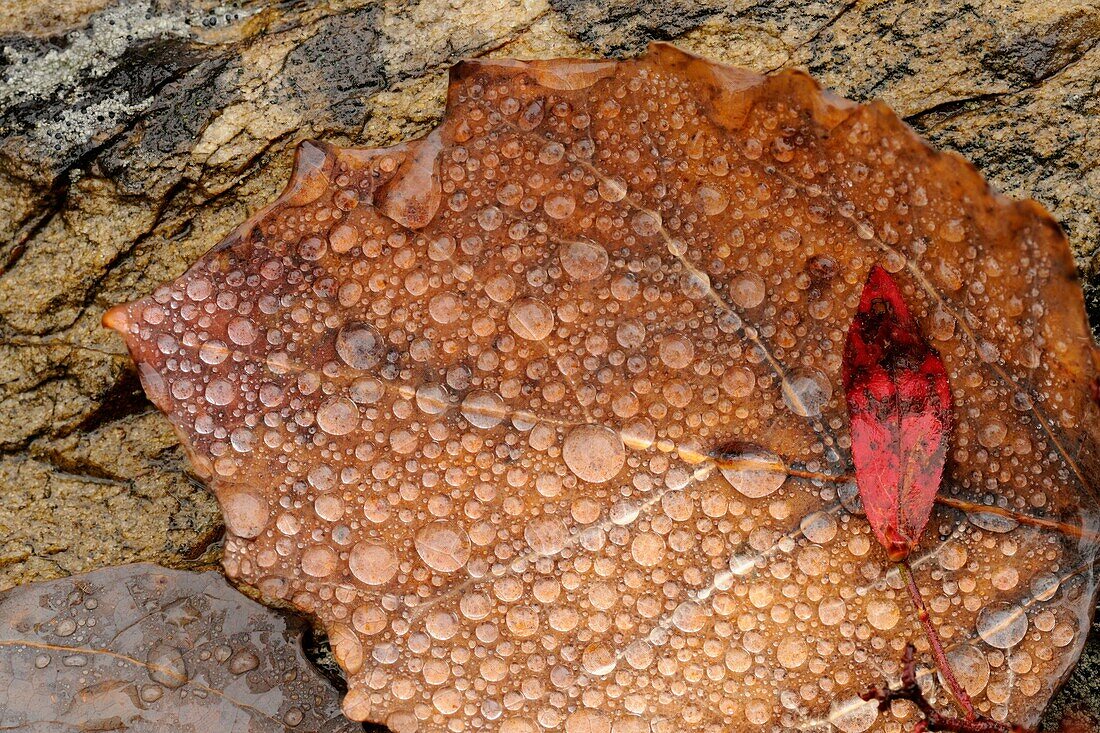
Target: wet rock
{"x":144,"y":649}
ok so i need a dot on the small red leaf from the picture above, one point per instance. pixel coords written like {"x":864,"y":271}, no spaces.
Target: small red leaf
{"x":899,"y":407}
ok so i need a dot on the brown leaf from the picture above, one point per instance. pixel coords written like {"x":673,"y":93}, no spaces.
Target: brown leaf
{"x":145,"y":649}
{"x":513,"y":403}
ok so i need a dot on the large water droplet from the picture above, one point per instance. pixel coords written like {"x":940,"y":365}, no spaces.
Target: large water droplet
{"x":1002,"y":625}
{"x":594,"y":453}
{"x":483,"y":409}
{"x":360,"y":346}
{"x":318,"y":561}
{"x":806,"y":392}
{"x":747,"y":290}
{"x":337,"y":416}
{"x":754,"y":471}
{"x":599,"y":659}
{"x":443,"y":546}
{"x":583,"y":261}
{"x":546,"y":535}
{"x":971,"y":668}
{"x":371,"y":563}
{"x":853,"y":715}
{"x":246,"y":514}
{"x":531,"y":319}
{"x":166,"y":665}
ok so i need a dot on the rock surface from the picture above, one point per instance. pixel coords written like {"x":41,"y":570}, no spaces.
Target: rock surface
{"x":142,"y":649}
{"x":135,"y":135}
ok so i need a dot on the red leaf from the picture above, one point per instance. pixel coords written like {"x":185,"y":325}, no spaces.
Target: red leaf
{"x":899,"y":407}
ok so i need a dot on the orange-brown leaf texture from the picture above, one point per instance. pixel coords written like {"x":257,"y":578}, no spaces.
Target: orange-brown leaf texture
{"x":540,"y":415}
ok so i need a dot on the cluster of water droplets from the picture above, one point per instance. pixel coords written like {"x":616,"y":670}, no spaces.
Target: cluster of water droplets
{"x":545,"y":456}
{"x":145,"y":649}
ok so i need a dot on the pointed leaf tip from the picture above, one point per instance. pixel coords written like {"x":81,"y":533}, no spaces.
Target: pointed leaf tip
{"x":117,"y":319}
{"x":899,"y":409}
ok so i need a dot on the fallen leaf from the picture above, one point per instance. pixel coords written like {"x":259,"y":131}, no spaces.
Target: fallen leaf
{"x":141,"y":648}
{"x":507,"y":408}
{"x":899,"y":415}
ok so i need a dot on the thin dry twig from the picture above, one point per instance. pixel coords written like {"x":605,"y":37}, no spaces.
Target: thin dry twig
{"x":933,"y":719}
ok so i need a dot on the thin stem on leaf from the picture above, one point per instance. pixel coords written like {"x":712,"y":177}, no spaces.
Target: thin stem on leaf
{"x":934,"y":641}
{"x":933,"y":719}
{"x":970,"y":507}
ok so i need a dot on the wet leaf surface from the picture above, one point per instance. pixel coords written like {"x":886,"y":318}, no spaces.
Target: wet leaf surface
{"x":541,"y":415}
{"x":143,"y":648}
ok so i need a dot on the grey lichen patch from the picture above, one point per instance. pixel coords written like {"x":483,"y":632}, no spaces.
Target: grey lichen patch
{"x":87,"y":56}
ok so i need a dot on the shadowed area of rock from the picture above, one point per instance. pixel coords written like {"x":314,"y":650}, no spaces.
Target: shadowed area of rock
{"x":145,"y":649}
{"x":539,"y":415}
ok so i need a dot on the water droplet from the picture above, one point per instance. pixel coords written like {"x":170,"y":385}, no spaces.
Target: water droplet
{"x":318,"y":561}
{"x":647,"y":549}
{"x":244,"y":660}
{"x":594,"y":453}
{"x":484,"y":409}
{"x":337,"y":416}
{"x":677,"y":351}
{"x":583,"y":261}
{"x":246,"y":514}
{"x":1002,"y":625}
{"x":559,"y":206}
{"x":611,"y":189}
{"x":971,"y":668}
{"x":599,"y":659}
{"x":372,"y":564}
{"x":490,"y":218}
{"x":806,"y":392}
{"x":645,"y":224}
{"x":992,"y":434}
{"x":531,"y":319}
{"x":992,"y":522}
{"x":166,"y":665}
{"x":689,"y":617}
{"x":445,"y":308}
{"x":853,"y":715}
{"x":714,"y":201}
{"x":587,"y":721}
{"x":747,"y":290}
{"x":220,"y":392}
{"x":752,"y":470}
{"x":342,"y":238}
{"x":883,"y":614}
{"x":819,"y":527}
{"x":443,"y":546}
{"x":792,"y":652}
{"x":241,"y":331}
{"x":546,"y":535}
{"x":359,"y":345}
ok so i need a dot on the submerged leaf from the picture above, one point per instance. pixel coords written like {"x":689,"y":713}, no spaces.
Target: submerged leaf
{"x":899,"y":412}
{"x":533,"y":413}
{"x":144,"y":649}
